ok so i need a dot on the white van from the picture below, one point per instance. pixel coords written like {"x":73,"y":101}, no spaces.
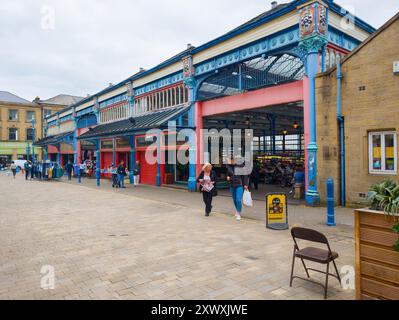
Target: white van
{"x":20,"y":163}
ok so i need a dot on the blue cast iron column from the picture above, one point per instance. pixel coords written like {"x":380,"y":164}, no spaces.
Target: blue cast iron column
{"x":312,"y":46}
{"x":192,"y":179}
{"x":114,"y":151}
{"x":75,"y":140}
{"x":313,"y":29}
{"x":59,"y":154}
{"x":132,"y":157}
{"x":98,"y":162}
{"x":45,"y":150}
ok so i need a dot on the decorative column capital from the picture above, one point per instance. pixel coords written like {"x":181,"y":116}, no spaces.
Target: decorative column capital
{"x":188,"y":72}
{"x":313,"y":26}
{"x":96,"y":107}
{"x":313,"y":44}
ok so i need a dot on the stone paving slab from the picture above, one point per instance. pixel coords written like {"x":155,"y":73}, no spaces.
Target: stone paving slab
{"x":147,"y":244}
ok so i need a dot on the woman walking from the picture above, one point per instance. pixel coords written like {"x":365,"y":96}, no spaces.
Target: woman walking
{"x":238,"y":182}
{"x":13,"y":169}
{"x":207,"y":180}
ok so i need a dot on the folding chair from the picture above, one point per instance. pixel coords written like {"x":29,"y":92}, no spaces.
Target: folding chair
{"x":313,"y":254}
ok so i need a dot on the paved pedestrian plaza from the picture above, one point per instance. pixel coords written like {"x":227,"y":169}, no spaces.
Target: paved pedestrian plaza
{"x":149,"y":243}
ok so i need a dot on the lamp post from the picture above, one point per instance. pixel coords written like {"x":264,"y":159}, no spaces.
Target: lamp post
{"x":33,"y":140}
{"x":27,"y":151}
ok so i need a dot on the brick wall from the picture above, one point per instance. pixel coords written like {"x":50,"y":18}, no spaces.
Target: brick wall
{"x":373,"y":109}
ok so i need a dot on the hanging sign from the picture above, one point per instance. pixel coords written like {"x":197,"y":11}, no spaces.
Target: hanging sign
{"x":276,"y":211}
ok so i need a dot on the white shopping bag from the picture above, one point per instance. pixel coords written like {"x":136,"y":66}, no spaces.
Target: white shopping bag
{"x":247,"y":199}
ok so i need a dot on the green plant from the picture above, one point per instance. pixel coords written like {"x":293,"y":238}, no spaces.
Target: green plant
{"x":384,"y":196}
{"x":396,"y":229}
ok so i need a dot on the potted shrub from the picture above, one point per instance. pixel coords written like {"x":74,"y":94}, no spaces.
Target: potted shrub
{"x":377,"y":244}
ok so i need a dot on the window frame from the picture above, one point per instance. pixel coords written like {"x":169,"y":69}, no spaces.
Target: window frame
{"x":383,"y":170}
{"x":27,"y":120}
{"x":16,"y":134}
{"x":17,"y":115}
{"x":27,"y":135}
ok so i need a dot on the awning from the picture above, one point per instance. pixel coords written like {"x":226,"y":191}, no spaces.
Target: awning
{"x":62,"y":137}
{"x":157,"y":119}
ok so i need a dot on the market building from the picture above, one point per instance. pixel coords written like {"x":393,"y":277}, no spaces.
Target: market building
{"x":358,"y":117}
{"x":16,"y":127}
{"x":259,"y":76}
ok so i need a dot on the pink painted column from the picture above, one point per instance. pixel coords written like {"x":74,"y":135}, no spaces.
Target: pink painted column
{"x":199,"y":125}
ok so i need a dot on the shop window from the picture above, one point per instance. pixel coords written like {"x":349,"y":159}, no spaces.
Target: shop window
{"x":13,"y":134}
{"x":13,"y":115}
{"x":107,"y":144}
{"x":30,"y":115}
{"x":29,"y":134}
{"x":383,"y":153}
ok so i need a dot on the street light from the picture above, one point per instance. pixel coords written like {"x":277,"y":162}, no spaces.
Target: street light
{"x":296,"y":125}
{"x":33,"y":139}
{"x":27,"y":151}
{"x":285,"y":132}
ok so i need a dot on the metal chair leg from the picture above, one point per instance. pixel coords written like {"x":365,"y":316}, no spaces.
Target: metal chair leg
{"x":292,"y":268}
{"x":326,"y":287}
{"x":336,"y":270}
{"x":306,"y":269}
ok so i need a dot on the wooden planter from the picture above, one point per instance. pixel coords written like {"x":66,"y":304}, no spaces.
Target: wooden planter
{"x":377,"y":263}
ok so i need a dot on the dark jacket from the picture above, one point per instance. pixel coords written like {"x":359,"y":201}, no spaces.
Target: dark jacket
{"x":212,"y":175}
{"x":235,"y":179}
{"x":121,"y":169}
{"x":69,"y":168}
{"x":137,"y":169}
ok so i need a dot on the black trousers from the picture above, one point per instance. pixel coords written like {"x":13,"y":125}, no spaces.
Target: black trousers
{"x":255,"y":182}
{"x":26,"y":174}
{"x":207,"y":197}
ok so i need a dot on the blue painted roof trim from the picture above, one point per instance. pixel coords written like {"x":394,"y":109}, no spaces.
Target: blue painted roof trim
{"x":292,"y":6}
{"x":341,"y":39}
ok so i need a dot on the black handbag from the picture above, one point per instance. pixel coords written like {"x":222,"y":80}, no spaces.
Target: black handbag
{"x":214,"y":191}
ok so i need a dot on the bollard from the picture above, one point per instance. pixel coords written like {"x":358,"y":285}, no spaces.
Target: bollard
{"x":330,"y":203}
{"x":98,"y":176}
{"x":79,"y":175}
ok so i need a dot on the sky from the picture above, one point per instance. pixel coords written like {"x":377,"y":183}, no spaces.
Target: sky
{"x":78,"y":47}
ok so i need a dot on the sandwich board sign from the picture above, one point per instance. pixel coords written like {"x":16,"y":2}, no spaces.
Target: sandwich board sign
{"x":276,"y":211}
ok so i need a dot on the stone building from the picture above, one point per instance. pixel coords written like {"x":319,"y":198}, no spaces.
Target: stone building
{"x":16,"y":115}
{"x":369,"y":113}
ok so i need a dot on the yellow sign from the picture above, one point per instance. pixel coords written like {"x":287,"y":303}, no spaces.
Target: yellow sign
{"x":276,"y":211}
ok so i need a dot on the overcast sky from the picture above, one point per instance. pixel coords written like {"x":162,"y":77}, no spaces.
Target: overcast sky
{"x":91,"y":43}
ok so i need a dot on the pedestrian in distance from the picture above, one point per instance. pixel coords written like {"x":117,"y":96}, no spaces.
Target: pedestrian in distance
{"x":13,"y":168}
{"x":238,"y":183}
{"x":136,"y":173}
{"x":114,"y":175}
{"x":69,"y":169}
{"x":207,"y":181}
{"x":121,"y":174}
{"x":28,"y":168}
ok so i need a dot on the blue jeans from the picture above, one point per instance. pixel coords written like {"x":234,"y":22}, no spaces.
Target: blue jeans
{"x":121,"y":179}
{"x":236,"y":193}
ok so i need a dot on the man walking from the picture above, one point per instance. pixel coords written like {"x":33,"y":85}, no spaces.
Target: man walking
{"x":121,"y":174}
{"x":69,"y":168}
{"x":28,"y":168}
{"x":136,"y":173}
